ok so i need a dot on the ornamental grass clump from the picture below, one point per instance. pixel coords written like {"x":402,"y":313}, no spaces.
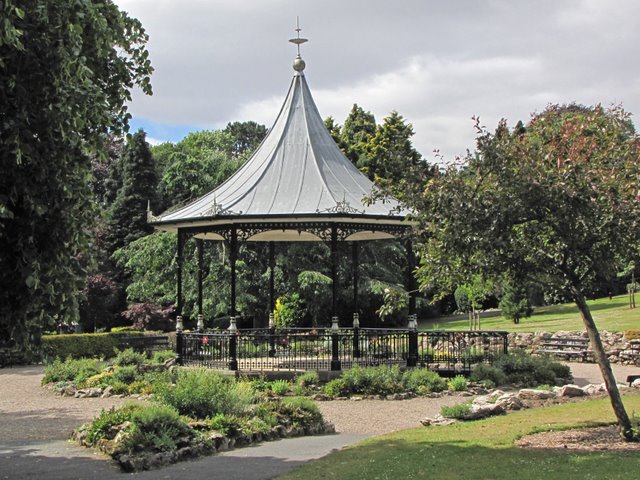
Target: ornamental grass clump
{"x":459,"y":411}
{"x":373,"y":380}
{"x":202,"y":393}
{"x":280,"y":387}
{"x":458,"y":384}
{"x":71,"y":370}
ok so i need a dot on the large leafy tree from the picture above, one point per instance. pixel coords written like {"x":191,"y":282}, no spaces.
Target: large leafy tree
{"x":555,"y":202}
{"x":66,"y":70}
{"x":246,"y":137}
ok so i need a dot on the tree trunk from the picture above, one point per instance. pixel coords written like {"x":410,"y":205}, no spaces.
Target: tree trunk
{"x":605,"y":366}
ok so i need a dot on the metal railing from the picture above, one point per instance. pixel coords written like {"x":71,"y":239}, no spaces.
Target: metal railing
{"x":300,"y":349}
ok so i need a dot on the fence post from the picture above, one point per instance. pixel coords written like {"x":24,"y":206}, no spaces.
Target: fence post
{"x":179,"y":340}
{"x":335,"y":356}
{"x":233,"y":344}
{"x":356,"y":335}
{"x":412,"y":358}
{"x":272,"y":336}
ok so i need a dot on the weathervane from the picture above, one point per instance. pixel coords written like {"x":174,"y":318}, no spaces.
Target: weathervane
{"x":298,"y":63}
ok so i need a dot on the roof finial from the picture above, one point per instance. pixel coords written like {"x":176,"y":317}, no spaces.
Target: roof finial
{"x":298,"y":63}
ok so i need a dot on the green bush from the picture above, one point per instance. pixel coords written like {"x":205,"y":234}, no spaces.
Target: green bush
{"x":484,"y":373}
{"x":280,"y":387}
{"x":301,"y":411}
{"x":373,"y":380}
{"x":161,"y":356}
{"x":129,"y":357}
{"x":459,"y":411}
{"x":521,"y":368}
{"x":423,"y":381}
{"x":102,"y":425}
{"x":156,"y":427}
{"x":228,"y":425}
{"x":96,"y":345}
{"x":71,"y":370}
{"x":458,"y":383}
{"x":127,"y":374}
{"x":202,"y":393}
{"x":337,"y":388}
{"x":307,"y":379}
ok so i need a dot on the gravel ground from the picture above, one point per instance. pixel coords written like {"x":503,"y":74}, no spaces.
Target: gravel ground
{"x":29,"y":412}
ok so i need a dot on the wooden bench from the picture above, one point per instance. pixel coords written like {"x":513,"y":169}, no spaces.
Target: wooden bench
{"x":147,"y":343}
{"x":632,"y":378}
{"x":567,"y":347}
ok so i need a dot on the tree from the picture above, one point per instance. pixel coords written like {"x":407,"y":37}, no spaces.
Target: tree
{"x":128,"y":214}
{"x":391,"y":161}
{"x":556,"y":202}
{"x":246,"y":137}
{"x":66,"y":71}
{"x":356,"y":133}
{"x":515,"y":303}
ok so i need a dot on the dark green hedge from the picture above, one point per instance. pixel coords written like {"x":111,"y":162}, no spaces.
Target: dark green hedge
{"x":78,"y":345}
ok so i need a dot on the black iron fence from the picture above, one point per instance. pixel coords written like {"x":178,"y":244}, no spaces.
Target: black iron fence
{"x":448,"y":352}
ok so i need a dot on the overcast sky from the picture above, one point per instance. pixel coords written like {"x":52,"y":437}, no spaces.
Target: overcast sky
{"x":437,"y":63}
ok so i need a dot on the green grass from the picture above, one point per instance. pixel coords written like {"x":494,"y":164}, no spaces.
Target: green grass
{"x":482,"y":450}
{"x":612,"y":315}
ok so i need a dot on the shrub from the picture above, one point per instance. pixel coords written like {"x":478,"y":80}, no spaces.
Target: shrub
{"x":129,"y":357}
{"x":522,"y":368}
{"x":458,"y":383}
{"x":280,"y":387}
{"x":307,"y":379}
{"x":202,"y":393}
{"x":484,"y":373}
{"x":96,"y":345}
{"x":460,"y":411}
{"x":336,"y":388}
{"x":140,"y":386}
{"x":161,"y":356}
{"x":302,"y":411}
{"x":157,"y":427}
{"x":423,"y":381}
{"x":373,"y":380}
{"x":71,"y":370}
{"x":102,"y":425}
{"x":228,"y":425}
{"x":127,"y":374}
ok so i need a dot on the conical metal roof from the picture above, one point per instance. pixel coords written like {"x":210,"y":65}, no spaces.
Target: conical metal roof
{"x":297,"y":173}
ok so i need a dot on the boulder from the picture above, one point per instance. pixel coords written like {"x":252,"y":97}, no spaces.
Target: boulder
{"x":571,"y":391}
{"x":532,"y":394}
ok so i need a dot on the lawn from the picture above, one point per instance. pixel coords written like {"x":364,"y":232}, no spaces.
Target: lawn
{"x":482,"y":450}
{"x":612,"y":315}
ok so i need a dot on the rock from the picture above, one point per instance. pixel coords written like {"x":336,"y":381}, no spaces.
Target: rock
{"x":107,"y":391}
{"x":437,"y":420}
{"x":509,"y":401}
{"x":356,"y":399}
{"x":320,"y":397}
{"x":532,"y":394}
{"x":483,"y":411}
{"x":94,"y":392}
{"x":571,"y":391}
{"x":636,"y":383}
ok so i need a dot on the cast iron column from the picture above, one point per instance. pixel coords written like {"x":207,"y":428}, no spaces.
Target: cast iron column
{"x":179,"y":306}
{"x":199,"y":247}
{"x":272,"y":282}
{"x":334,"y":270}
{"x":412,"y":358}
{"x":233,"y":330}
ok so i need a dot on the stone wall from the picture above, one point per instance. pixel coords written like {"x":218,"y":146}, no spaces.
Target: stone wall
{"x":615,"y":344}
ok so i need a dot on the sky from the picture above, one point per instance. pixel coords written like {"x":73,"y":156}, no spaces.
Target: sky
{"x":437,"y":62}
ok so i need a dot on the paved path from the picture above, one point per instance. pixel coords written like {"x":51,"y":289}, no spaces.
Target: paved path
{"x":34,"y":426}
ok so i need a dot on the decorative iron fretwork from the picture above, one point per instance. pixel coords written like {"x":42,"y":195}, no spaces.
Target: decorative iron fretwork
{"x":322,"y":230}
